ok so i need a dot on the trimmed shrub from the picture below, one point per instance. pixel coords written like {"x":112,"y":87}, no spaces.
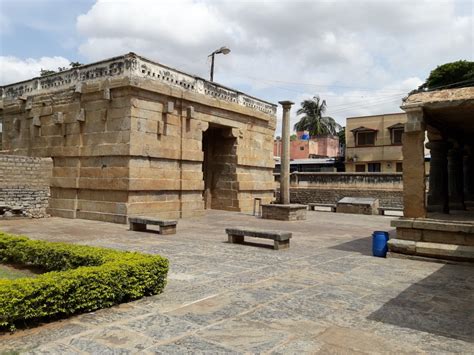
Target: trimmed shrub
{"x":79,"y":278}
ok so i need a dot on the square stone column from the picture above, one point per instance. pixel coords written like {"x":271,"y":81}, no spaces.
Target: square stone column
{"x":468,"y":171}
{"x":456,"y":177}
{"x":414,"y":185}
{"x":438,"y":199}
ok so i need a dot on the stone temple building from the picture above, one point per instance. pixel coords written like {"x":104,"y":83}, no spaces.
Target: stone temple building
{"x":129,"y":136}
{"x":439,"y":223}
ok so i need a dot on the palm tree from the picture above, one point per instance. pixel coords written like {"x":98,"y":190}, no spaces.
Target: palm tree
{"x":313,"y":119}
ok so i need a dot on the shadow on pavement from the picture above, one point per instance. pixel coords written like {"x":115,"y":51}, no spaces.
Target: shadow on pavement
{"x":441,"y":304}
{"x":362,"y":245}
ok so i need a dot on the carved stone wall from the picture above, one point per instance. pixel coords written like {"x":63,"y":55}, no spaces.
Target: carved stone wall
{"x":126,"y":138}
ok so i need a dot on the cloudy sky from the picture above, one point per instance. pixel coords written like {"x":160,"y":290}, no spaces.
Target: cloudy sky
{"x":361,"y":56}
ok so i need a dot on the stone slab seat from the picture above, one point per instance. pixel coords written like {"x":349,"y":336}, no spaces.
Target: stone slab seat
{"x":383,"y":209}
{"x":139,"y":223}
{"x":281,"y":240}
{"x":332,"y":206}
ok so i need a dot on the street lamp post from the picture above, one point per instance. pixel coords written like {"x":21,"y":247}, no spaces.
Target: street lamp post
{"x":224,"y":50}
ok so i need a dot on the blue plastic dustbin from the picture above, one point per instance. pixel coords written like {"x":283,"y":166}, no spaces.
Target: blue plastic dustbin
{"x":379,"y":244}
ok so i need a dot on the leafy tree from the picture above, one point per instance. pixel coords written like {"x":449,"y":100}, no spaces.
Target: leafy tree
{"x":293,"y":137}
{"x":313,"y":119}
{"x":75,"y":64}
{"x":450,"y":75}
{"x":342,"y":136}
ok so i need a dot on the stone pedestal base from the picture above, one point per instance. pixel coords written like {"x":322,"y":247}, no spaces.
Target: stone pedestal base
{"x":358,"y":205}
{"x":440,"y":239}
{"x":290,"y":212}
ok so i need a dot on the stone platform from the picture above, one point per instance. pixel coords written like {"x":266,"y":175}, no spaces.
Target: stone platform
{"x":358,"y":205}
{"x":435,"y":238}
{"x":281,"y":212}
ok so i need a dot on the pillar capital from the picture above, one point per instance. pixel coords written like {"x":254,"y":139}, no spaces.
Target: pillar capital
{"x":286,"y":104}
{"x":415,"y":119}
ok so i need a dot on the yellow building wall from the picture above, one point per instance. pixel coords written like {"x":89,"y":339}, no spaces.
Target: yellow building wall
{"x":383,"y":152}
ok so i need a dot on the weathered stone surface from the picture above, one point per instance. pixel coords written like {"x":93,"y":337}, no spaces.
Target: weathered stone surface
{"x":158,"y":115}
{"x":291,"y":212}
{"x":258,"y":233}
{"x":358,"y":205}
{"x":25,"y":182}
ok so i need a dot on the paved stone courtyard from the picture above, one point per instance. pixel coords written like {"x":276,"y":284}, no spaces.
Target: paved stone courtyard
{"x":325,"y":294}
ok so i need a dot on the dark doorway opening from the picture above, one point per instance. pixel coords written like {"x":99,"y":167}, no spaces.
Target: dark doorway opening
{"x":219,"y":168}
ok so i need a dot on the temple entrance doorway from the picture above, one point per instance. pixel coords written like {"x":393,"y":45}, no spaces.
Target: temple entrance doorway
{"x":219,"y":168}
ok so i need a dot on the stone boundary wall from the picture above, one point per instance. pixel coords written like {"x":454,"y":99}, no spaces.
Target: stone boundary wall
{"x":331,"y":187}
{"x":24,"y":183}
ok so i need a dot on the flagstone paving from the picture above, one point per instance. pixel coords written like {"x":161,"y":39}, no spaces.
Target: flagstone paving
{"x":326,"y":293}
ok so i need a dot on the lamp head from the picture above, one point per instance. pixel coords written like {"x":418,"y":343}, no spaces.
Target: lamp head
{"x":223,"y":50}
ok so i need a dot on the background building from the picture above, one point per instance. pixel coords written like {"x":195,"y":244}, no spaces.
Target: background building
{"x":304,"y":147}
{"x":374,"y":143}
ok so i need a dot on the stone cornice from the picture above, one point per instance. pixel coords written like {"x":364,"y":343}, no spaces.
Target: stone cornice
{"x":132,"y":66}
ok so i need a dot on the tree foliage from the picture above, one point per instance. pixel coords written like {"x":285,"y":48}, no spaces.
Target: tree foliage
{"x":312,"y":119}
{"x":342,"y":136}
{"x":450,"y":75}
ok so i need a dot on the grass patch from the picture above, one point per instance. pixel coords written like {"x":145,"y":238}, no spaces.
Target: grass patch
{"x":12,"y":272}
{"x":77,"y":279}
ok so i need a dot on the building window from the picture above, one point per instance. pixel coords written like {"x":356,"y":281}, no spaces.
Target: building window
{"x":365,"y":138}
{"x":301,"y":148}
{"x":360,"y":168}
{"x":374,"y":167}
{"x":399,"y":167}
{"x":397,"y":135}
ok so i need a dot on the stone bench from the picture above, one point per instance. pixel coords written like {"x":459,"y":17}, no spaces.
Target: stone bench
{"x":383,"y":209}
{"x":139,"y":224}
{"x":281,"y":240}
{"x":312,"y":206}
{"x":358,"y":205}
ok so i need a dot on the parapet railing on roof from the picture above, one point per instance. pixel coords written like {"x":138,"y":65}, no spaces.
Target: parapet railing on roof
{"x":132,"y":65}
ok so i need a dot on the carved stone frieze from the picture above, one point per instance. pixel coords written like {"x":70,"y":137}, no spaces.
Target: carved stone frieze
{"x":133,"y":67}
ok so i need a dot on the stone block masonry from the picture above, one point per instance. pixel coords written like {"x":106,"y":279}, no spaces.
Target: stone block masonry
{"x":24,"y":183}
{"x":132,"y":137}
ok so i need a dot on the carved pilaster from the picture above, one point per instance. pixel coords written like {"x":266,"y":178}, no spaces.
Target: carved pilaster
{"x":468,"y":172}
{"x":456,"y":178}
{"x":438,"y":198}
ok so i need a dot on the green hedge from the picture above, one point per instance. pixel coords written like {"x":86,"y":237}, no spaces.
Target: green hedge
{"x":79,"y":278}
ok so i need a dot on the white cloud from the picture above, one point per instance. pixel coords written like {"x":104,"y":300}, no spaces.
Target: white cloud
{"x":13,"y":69}
{"x":362,"y":57}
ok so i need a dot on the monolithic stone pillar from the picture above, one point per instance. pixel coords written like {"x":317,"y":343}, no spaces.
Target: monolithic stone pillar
{"x":414,"y":165}
{"x":456,"y":178}
{"x":468,"y":170}
{"x":438,"y":200}
{"x":285,"y":154}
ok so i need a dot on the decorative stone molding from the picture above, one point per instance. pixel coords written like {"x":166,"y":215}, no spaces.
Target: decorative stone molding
{"x":81,"y":116}
{"x":106,"y":94}
{"x":132,"y":66}
{"x":415,"y":120}
{"x":190,"y":113}
{"x":29,"y":103}
{"x":58,"y":118}
{"x":36,"y":121}
{"x":169,"y":107}
{"x":17,"y":124}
